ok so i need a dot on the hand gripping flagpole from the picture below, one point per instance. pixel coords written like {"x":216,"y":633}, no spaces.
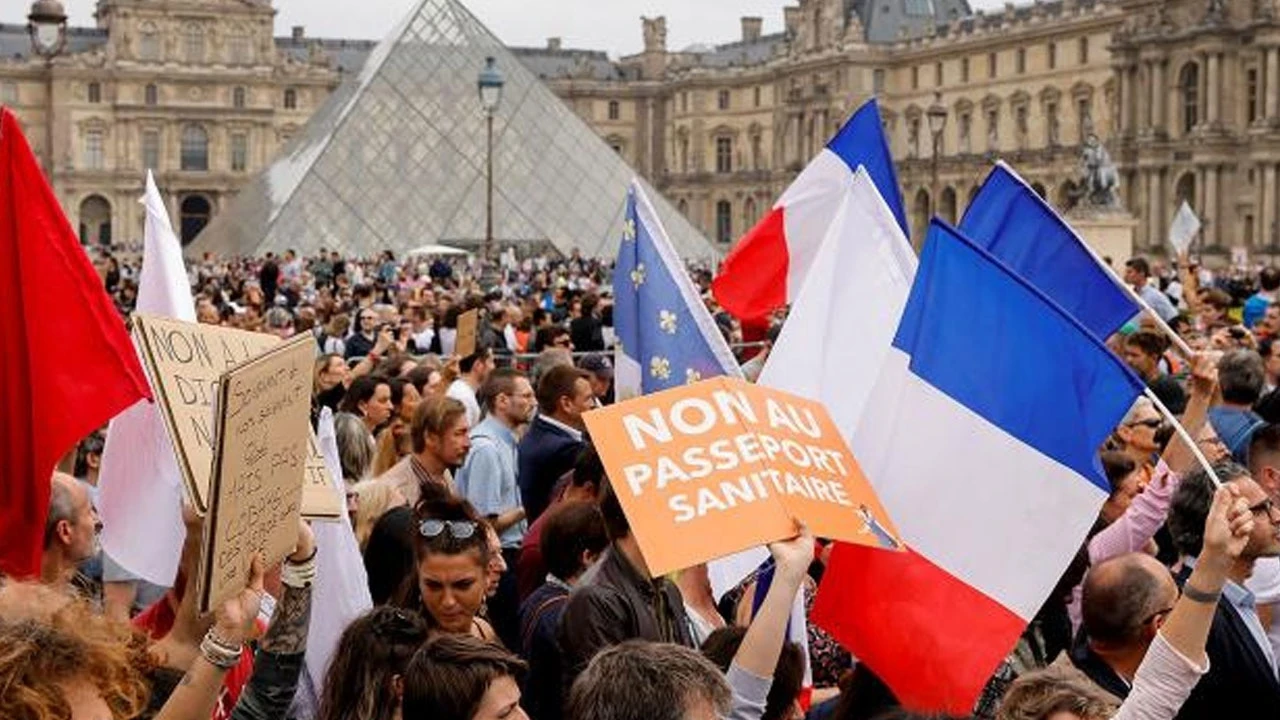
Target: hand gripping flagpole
{"x":1185,"y":437}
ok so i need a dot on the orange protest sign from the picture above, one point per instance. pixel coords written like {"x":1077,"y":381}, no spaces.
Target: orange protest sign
{"x":709,"y":469}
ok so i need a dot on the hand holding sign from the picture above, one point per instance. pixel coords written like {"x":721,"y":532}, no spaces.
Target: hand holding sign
{"x":792,"y":558}
{"x":709,"y":469}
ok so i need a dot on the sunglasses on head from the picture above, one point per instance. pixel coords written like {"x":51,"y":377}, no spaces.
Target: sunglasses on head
{"x":458,"y":529}
{"x":1152,"y":423}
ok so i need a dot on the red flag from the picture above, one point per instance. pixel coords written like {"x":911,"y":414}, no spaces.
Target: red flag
{"x":875,"y":602}
{"x":67,"y":365}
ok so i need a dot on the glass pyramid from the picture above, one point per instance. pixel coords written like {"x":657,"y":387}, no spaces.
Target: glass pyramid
{"x":395,"y":159}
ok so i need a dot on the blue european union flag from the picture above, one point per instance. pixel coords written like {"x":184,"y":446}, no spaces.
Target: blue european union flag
{"x":667,"y":338}
{"x":1009,"y":220}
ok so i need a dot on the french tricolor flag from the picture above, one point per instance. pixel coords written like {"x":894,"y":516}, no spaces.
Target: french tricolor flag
{"x":768,"y":266}
{"x":980,"y":436}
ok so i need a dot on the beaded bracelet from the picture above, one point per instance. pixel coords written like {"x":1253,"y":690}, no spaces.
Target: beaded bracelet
{"x":220,"y":653}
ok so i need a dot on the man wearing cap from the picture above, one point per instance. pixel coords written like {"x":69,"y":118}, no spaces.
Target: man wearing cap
{"x":600,"y":369}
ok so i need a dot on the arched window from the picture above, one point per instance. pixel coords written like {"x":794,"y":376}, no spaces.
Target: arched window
{"x":237,"y":98}
{"x":947,"y":205}
{"x":195,"y":148}
{"x":151,"y":95}
{"x":724,"y":222}
{"x":290,"y":99}
{"x":194,"y":214}
{"x":95,"y":221}
{"x":922,"y":211}
{"x":1186,"y":190}
{"x":748,"y":212}
{"x":1189,"y":84}
{"x":194,"y":43}
{"x":1067,"y":195}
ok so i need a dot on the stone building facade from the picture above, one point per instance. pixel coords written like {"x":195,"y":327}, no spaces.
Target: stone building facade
{"x":199,"y":91}
{"x":1185,"y":94}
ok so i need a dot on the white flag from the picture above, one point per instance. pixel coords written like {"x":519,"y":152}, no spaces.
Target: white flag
{"x":1184,"y":228}
{"x":139,"y":486}
{"x":843,"y":320}
{"x":341,"y":592}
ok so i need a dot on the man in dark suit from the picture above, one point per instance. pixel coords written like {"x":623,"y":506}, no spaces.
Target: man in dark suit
{"x":1242,"y":669}
{"x":551,"y":446}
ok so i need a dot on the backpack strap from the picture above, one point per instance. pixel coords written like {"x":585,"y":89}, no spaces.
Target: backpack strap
{"x":536,"y":617}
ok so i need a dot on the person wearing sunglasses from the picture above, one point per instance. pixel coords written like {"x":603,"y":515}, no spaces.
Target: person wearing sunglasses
{"x":1136,"y":435}
{"x":452,"y":553}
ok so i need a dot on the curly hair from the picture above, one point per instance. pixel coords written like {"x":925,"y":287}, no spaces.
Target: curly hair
{"x":48,"y":640}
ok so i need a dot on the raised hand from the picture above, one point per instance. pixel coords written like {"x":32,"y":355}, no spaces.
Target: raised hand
{"x":792,"y":557}
{"x":234,"y":618}
{"x":1228,"y":526}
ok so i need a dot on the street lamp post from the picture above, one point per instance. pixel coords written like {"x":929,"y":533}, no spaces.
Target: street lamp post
{"x":47,"y":24}
{"x":490,"y":85}
{"x":937,"y":117}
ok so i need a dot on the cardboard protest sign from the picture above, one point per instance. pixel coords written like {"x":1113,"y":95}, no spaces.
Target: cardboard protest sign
{"x":185,"y":361}
{"x":709,"y":469}
{"x":468,"y":330}
{"x":260,"y":454}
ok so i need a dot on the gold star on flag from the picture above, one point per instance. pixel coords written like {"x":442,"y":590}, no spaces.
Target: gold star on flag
{"x":667,"y":321}
{"x":637,"y":276}
{"x":660,"y":367}
{"x":629,"y":229}
{"x":692,"y":376}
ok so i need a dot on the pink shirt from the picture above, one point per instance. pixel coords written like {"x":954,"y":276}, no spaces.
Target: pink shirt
{"x":1132,"y":531}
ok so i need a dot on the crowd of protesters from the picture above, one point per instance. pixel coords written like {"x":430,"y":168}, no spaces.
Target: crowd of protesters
{"x":507,"y":583}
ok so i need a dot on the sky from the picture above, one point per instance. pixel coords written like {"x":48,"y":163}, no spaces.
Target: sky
{"x":610,"y":25}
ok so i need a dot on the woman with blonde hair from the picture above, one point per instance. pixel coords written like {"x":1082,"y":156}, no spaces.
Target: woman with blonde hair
{"x":372,"y":500}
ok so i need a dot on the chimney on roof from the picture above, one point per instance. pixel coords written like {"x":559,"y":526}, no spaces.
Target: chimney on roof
{"x":299,"y":32}
{"x":751,"y":27}
{"x":553,"y":43}
{"x":791,"y":19}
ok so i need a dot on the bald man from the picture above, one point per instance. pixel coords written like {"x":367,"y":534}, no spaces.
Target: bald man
{"x":70,"y":530}
{"x":1126,"y":600}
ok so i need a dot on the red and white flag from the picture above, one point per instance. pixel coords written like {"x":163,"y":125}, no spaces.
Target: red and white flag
{"x":768,"y":266}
